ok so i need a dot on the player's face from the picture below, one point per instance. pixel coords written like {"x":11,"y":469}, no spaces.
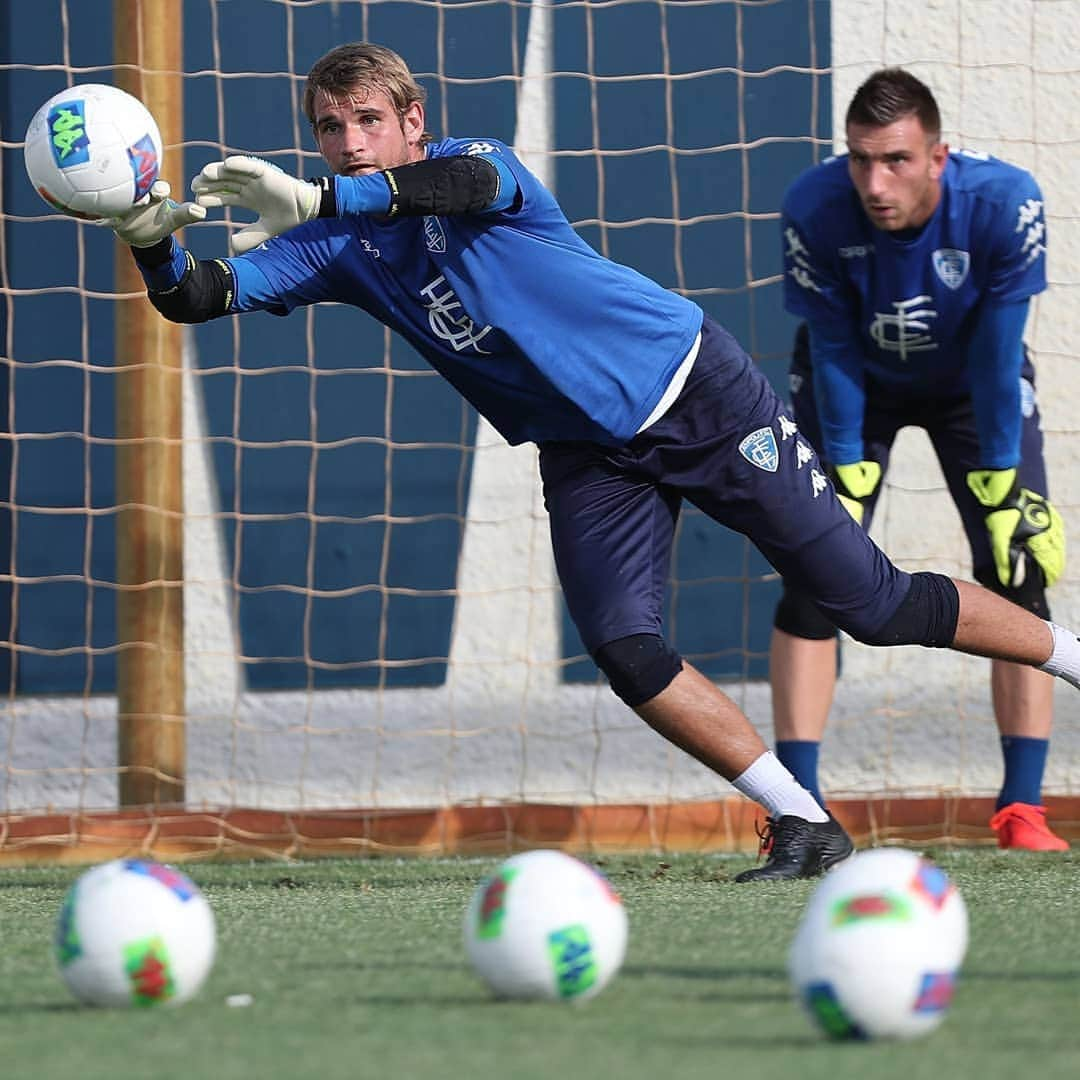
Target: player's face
{"x":896,"y":170}
{"x":363,"y":133}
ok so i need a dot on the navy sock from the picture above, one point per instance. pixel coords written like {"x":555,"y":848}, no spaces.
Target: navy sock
{"x":1025,"y":760}
{"x":800,"y":758}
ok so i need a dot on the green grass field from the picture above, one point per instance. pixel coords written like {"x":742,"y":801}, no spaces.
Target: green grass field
{"x":357,"y":970}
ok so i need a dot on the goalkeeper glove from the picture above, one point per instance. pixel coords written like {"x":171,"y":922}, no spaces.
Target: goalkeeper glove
{"x":154,"y":217}
{"x":1021,"y":524}
{"x":280,"y":200}
{"x":855,"y":484}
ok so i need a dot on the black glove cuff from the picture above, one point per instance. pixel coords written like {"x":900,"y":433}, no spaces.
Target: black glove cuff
{"x":327,"y":196}
{"x":157,"y":255}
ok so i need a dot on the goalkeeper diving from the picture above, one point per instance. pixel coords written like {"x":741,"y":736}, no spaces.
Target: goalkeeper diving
{"x":636,"y":398}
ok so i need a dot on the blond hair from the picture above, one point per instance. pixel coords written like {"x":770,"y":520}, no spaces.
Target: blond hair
{"x":360,"y":65}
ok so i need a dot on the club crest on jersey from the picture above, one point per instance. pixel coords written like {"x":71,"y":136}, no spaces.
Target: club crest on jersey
{"x":434,"y":236}
{"x":759,"y":448}
{"x":951,"y":266}
{"x":448,"y":320}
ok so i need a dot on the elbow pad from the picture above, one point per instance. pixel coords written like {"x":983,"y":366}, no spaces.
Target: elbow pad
{"x":453,"y":185}
{"x":205,"y":291}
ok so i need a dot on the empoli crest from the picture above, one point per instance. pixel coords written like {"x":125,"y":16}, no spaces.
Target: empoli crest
{"x":759,"y":448}
{"x":951,"y":265}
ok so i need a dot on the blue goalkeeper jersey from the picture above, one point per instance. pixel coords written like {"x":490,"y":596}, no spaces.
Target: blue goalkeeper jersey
{"x":904,"y":309}
{"x":546,"y":338}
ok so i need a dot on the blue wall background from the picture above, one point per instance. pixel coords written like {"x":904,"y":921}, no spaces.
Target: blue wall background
{"x":62,"y":343}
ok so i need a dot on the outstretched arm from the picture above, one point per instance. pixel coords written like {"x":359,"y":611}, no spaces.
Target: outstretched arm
{"x":183,"y":288}
{"x":464,"y":184}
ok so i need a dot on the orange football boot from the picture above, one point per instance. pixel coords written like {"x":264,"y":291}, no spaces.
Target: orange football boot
{"x":1023,"y":826}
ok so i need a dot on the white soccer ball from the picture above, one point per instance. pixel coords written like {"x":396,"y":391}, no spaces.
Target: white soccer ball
{"x":134,"y":932}
{"x":92,"y":151}
{"x":879,"y":947}
{"x":545,"y":925}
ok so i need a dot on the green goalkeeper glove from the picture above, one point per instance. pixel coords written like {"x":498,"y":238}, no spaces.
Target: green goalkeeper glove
{"x":855,"y":484}
{"x":154,"y":217}
{"x":280,"y":200}
{"x":1021,"y":524}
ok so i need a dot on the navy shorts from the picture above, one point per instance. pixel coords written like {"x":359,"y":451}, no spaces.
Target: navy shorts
{"x":950,"y":424}
{"x":730,"y":446}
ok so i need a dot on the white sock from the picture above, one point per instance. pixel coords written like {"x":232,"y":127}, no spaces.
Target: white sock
{"x":1065,"y":659}
{"x":769,"y":783}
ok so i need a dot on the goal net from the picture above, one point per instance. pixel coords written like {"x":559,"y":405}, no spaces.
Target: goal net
{"x":376,"y":652}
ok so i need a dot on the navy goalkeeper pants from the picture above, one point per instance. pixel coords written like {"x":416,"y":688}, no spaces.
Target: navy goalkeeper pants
{"x":729,"y":446}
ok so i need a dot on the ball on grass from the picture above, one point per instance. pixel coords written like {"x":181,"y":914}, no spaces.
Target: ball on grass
{"x":879,"y":947}
{"x":134,"y":932}
{"x":545,"y":926}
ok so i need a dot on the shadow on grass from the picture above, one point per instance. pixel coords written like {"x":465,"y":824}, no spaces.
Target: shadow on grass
{"x":389,"y":965}
{"x":45,"y":1007}
{"x":1019,"y":976}
{"x":36,"y":884}
{"x":759,"y":1043}
{"x":712,"y":984}
{"x":434,"y":1001}
{"x":711,"y":974}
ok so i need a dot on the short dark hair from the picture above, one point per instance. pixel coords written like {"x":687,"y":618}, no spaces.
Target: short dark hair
{"x":361,"y":65}
{"x":891,"y":94}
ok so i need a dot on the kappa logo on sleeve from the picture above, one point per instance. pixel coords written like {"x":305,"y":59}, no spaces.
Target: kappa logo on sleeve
{"x":1029,"y":222}
{"x":798,"y":258}
{"x":481,"y":148}
{"x":759,"y":448}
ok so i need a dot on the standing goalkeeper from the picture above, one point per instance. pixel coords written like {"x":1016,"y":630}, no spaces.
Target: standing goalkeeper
{"x":636,"y":399}
{"x":913,"y":268}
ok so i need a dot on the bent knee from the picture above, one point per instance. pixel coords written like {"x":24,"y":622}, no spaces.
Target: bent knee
{"x":638,"y":667}
{"x":797,"y":615}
